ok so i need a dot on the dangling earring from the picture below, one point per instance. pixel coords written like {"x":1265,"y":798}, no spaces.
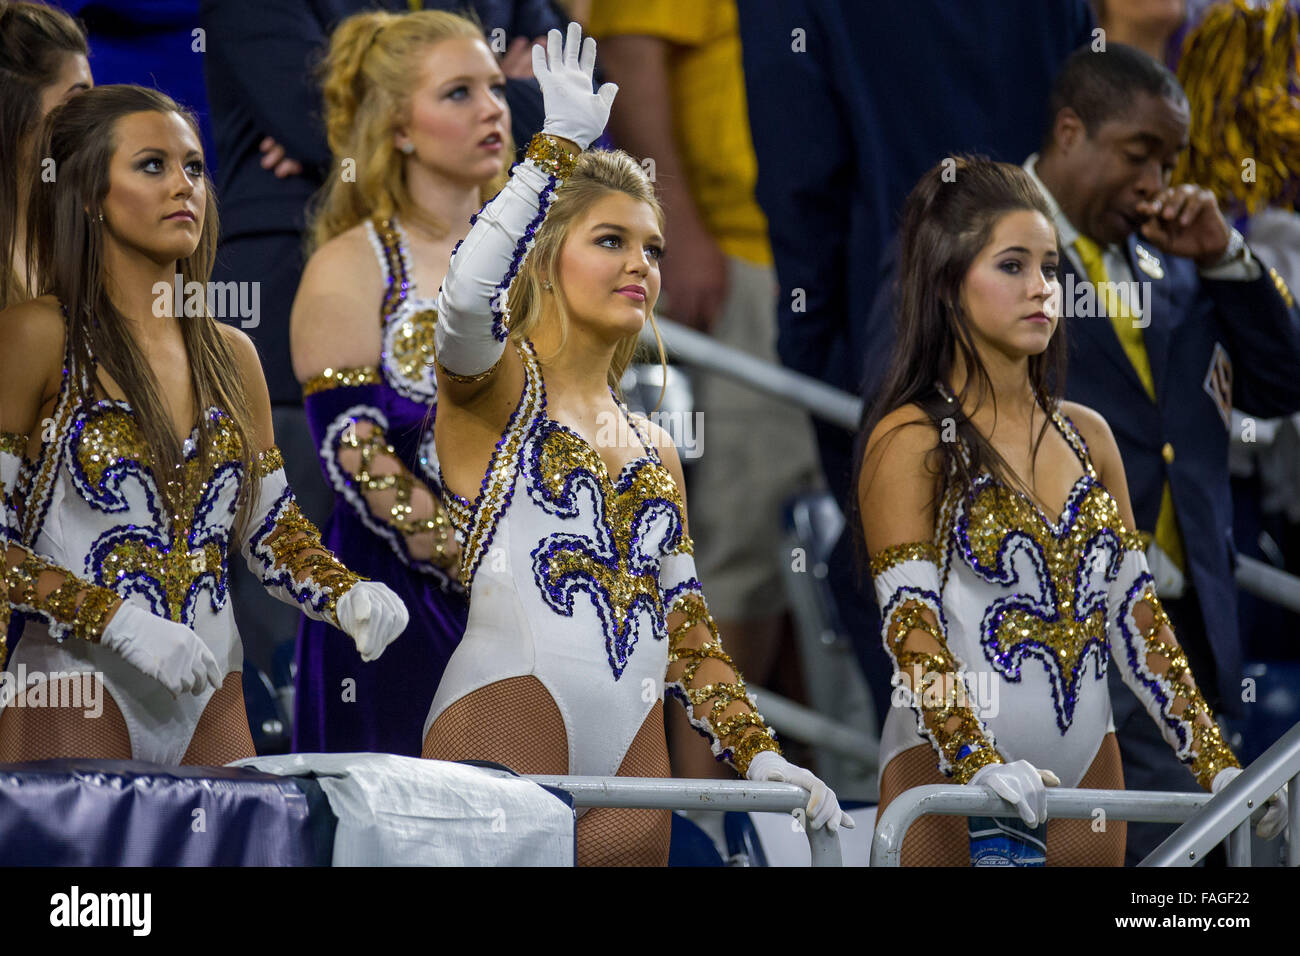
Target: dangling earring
{"x":101,"y":215}
{"x":546,"y":284}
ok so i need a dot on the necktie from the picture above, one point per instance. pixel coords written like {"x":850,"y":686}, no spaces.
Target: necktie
{"x":1130,"y":339}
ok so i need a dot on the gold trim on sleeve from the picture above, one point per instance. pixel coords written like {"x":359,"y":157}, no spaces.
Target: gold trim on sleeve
{"x":341,"y":378}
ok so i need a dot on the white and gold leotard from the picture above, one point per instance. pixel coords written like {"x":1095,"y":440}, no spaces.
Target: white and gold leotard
{"x":1030,"y":611}
{"x":86,"y":516}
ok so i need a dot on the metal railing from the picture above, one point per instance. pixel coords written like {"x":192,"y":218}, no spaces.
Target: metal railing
{"x":1228,"y":814}
{"x":1147,"y":806}
{"x":654,"y":793}
{"x":1205,"y":820}
{"x":843,"y":409}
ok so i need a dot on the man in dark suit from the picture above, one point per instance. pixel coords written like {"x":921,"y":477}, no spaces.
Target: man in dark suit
{"x":1212,"y":328}
{"x":849,"y":103}
{"x":266,"y":110}
{"x":1206,"y":328}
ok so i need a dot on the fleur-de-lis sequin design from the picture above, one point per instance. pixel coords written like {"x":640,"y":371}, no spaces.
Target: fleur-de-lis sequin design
{"x":172,"y":559}
{"x":1058,"y":572}
{"x":614,"y":561}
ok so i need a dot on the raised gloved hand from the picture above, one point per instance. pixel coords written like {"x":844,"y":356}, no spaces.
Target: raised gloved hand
{"x":573,"y":111}
{"x":1020,"y":783}
{"x":372,"y":615}
{"x":822,"y":810}
{"x":167,"y":651}
{"x":1274,"y":820}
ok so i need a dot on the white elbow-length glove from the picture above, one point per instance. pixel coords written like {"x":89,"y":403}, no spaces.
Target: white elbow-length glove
{"x":823,"y":808}
{"x":167,"y":651}
{"x":373,"y":616}
{"x":573,"y":111}
{"x":1274,"y":820}
{"x":1019,"y":783}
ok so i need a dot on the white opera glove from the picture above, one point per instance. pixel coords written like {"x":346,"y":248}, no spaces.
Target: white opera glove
{"x":372,"y":615}
{"x":1274,"y":820}
{"x":573,"y":111}
{"x":167,"y":651}
{"x":1020,"y":783}
{"x":823,"y":808}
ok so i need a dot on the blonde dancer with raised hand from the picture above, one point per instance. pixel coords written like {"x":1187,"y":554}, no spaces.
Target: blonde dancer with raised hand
{"x":584,"y":603}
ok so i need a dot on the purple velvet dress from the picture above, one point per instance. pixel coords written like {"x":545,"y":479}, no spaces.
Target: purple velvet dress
{"x":342,"y":703}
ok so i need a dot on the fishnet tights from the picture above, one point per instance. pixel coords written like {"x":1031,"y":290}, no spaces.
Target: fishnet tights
{"x":222,"y":734}
{"x":473,"y":728}
{"x":45,"y":733}
{"x":943,"y":841}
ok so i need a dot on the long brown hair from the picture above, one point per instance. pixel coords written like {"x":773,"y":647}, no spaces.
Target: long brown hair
{"x":367,"y":78}
{"x":80,"y":136}
{"x":34,"y":41}
{"x":598,"y":173}
{"x":948,"y":218}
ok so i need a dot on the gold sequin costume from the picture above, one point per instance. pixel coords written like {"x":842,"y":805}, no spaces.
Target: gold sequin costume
{"x":579,"y":578}
{"x":1026,"y":611}
{"x":85,"y":524}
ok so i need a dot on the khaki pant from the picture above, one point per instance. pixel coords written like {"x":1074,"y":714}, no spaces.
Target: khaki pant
{"x":755,"y":453}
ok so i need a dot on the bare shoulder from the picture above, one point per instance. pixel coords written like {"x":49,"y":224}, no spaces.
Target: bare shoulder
{"x":347,"y":248}
{"x":663,"y":444}
{"x":1096,"y":435}
{"x":335,"y":317}
{"x":345,"y":264}
{"x":31,"y":346}
{"x":37,"y":323}
{"x":898,"y":481}
{"x":240,"y":343}
{"x":903,"y":439}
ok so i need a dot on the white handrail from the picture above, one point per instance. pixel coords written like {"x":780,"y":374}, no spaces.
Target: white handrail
{"x":656,"y":793}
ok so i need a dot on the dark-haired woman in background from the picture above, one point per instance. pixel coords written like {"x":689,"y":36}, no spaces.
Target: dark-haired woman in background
{"x":1001,"y":538}
{"x":42,"y":62}
{"x":135,"y":448}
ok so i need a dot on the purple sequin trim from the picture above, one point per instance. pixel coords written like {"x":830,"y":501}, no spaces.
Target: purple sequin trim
{"x":283,"y":577}
{"x":525,"y":243}
{"x":471,"y":509}
{"x":1139,"y":586}
{"x":560,"y":589}
{"x":689,"y":586}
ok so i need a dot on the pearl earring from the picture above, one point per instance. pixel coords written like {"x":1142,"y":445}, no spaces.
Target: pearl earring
{"x":546,"y":284}
{"x":407,"y":148}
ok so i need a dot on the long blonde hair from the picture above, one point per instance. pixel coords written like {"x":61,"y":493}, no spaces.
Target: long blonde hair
{"x":598,"y":173}
{"x":367,"y":78}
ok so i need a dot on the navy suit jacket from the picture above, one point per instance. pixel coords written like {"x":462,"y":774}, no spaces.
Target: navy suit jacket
{"x":1191,"y":318}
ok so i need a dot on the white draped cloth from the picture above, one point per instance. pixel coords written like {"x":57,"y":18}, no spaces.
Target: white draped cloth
{"x":404,"y":811}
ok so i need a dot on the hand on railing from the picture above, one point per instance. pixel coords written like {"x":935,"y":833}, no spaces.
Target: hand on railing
{"x":1275,"y":815}
{"x":1019,"y":783}
{"x":823,"y":808}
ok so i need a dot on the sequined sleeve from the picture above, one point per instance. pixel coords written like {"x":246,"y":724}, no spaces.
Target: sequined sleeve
{"x":701,"y":674}
{"x":1167,"y":691}
{"x":473,"y":311}
{"x":283,"y":548}
{"x":345,"y":411}
{"x":929,"y":681}
{"x":67,"y":604}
